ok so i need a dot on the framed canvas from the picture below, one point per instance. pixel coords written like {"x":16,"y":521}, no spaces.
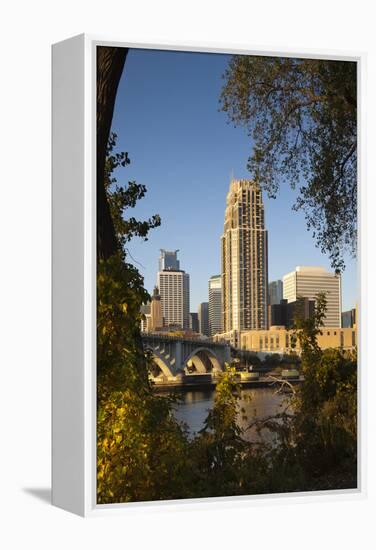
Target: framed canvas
{"x":207,"y":305}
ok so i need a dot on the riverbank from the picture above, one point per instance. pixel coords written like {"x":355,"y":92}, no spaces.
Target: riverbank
{"x":205,"y":384}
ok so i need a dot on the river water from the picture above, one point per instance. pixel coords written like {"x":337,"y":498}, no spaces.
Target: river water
{"x":256,"y":402}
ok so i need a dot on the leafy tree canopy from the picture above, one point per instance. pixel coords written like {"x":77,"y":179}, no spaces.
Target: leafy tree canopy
{"x":302,"y":117}
{"x":121,"y":198}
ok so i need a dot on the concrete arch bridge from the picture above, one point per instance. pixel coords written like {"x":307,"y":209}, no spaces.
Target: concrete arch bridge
{"x":177,"y":356}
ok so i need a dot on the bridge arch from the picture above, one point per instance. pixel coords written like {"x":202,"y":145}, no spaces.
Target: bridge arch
{"x":197,"y":362}
{"x":159,"y":361}
{"x":198,"y":356}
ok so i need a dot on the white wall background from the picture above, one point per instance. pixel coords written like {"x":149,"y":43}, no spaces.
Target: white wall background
{"x":27,"y":30}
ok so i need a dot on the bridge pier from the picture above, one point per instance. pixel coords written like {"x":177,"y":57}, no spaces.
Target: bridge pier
{"x":178,"y":357}
{"x":227,"y":354}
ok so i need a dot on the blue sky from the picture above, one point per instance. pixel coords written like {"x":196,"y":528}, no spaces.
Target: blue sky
{"x":182,"y":148}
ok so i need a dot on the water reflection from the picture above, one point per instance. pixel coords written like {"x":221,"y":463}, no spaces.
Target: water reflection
{"x":257,"y":403}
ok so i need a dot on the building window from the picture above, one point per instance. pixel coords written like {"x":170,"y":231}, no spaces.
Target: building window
{"x":353,"y":338}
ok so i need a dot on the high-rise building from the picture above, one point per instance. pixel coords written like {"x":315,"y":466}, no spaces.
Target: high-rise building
{"x":168,"y":260}
{"x":308,"y":282}
{"x":349,"y":318}
{"x":275,"y":289}
{"x":244,"y":252}
{"x":156,"y":316}
{"x":203,"y":318}
{"x":173,"y":284}
{"x":275,"y":295}
{"x":193,"y":322}
{"x":215,"y":305}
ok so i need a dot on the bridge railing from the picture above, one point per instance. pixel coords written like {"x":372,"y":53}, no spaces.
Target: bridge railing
{"x":172,"y":338}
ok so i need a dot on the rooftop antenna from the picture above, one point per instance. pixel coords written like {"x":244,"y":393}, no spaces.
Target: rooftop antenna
{"x":232,"y":177}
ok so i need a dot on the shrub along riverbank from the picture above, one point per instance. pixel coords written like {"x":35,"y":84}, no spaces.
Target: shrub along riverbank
{"x":145,"y":454}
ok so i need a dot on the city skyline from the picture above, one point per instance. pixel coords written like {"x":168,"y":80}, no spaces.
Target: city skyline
{"x":155,"y":126}
{"x":209,"y":390}
{"x":318,"y":280}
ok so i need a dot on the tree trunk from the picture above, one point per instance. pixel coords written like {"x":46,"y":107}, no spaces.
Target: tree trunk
{"x":110,"y":64}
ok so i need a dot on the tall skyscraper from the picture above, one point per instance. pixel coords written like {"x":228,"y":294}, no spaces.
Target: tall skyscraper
{"x":169,"y":260}
{"x":244,"y":251}
{"x":173,"y":284}
{"x":275,"y":292}
{"x":215,"y":305}
{"x":307,"y":282}
{"x":203,"y":318}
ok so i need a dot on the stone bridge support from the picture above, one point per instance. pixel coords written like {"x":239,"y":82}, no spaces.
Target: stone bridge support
{"x":174,"y":355}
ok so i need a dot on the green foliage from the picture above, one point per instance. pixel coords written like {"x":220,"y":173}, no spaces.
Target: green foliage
{"x":272,"y":359}
{"x":122,"y":198}
{"x":322,"y":433}
{"x":255,"y":360}
{"x":143,"y":453}
{"x":223,"y":462}
{"x":301,"y":115}
{"x":324,"y":424}
{"x":120,"y":290}
{"x":120,"y":294}
{"x":307,"y":329}
{"x":141,"y":449}
{"x":290,"y":359}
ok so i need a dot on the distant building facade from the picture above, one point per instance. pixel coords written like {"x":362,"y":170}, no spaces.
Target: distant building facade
{"x":173,"y":287}
{"x":231,"y":337}
{"x":275,"y":295}
{"x":275,"y":292}
{"x":244,"y":259}
{"x":146,"y":317}
{"x":168,"y":260}
{"x":152,"y":316}
{"x":349,"y":318}
{"x":285,"y":313}
{"x":203,"y":318}
{"x":215,"y":305}
{"x":281,"y":340}
{"x":156,"y":315}
{"x":307,"y":282}
{"x":193,"y":322}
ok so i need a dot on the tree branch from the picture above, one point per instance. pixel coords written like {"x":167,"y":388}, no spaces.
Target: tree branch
{"x":110,"y":64}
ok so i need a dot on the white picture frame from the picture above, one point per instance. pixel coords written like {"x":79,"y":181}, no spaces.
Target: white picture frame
{"x":74,"y":279}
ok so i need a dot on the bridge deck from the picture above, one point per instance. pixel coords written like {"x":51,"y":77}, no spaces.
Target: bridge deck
{"x":192,"y":341}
